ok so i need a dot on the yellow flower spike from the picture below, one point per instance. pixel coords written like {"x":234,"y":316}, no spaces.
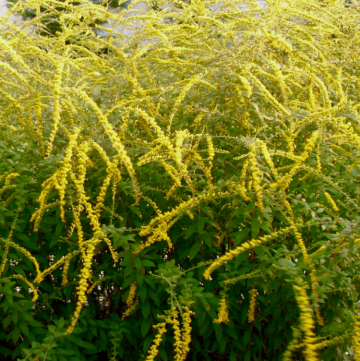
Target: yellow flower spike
{"x":247,"y":85}
{"x":114,"y":138}
{"x":268,"y":95}
{"x":246,"y":246}
{"x":318,"y":158}
{"x":356,"y":338}
{"x":177,"y":334}
{"x":101,"y":196}
{"x":292,"y":345}
{"x":242,"y":187}
{"x":251,"y":312}
{"x":154,"y":349}
{"x":33,"y":288}
{"x":130,"y":302}
{"x":66,"y":267}
{"x":268,"y":159}
{"x":78,"y":226}
{"x":223,"y":314}
{"x":281,"y":80}
{"x":334,"y":340}
{"x":26,"y":253}
{"x":82,"y":287}
{"x":163,"y":222}
{"x":12,"y":71}
{"x":56,"y":112}
{"x":39,"y":124}
{"x":8,"y":179}
{"x":193,"y":80}
{"x":296,"y":233}
{"x":112,"y":250}
{"x":64,"y":171}
{"x":210,"y":148}
{"x":307,"y":324}
{"x":286,"y":179}
{"x":312,"y":99}
{"x":4,"y":260}
{"x":256,"y":176}
{"x":185,"y":335}
{"x":332,"y":202}
{"x":314,"y":283}
{"x":57,"y":264}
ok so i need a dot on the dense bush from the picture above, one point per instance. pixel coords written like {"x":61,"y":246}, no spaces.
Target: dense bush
{"x":184,"y":187}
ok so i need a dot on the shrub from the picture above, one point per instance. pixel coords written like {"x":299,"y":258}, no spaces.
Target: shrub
{"x":184,"y":187}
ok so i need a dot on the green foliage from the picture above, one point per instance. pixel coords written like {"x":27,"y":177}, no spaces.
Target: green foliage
{"x":202,"y":170}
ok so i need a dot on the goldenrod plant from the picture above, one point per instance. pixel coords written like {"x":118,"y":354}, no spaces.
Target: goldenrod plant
{"x":179,"y":181}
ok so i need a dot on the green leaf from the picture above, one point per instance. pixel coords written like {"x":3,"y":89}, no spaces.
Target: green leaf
{"x":190,"y":231}
{"x":139,"y":277}
{"x":147,"y":342}
{"x":78,"y":341}
{"x":200,"y":225}
{"x":163,"y":353}
{"x":145,"y":326}
{"x":145,"y":309}
{"x":255,"y":225}
{"x":147,"y":263}
{"x":246,"y":336}
{"x":154,"y":296}
{"x":24,"y":328}
{"x":240,"y":236}
{"x":143,"y":292}
{"x":9,"y":299}
{"x":194,"y":250}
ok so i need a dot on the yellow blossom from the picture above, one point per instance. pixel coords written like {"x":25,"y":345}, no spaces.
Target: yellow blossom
{"x":307,"y":324}
{"x":251,"y":313}
{"x":130,"y":302}
{"x":332,"y":202}
{"x":223,"y":314}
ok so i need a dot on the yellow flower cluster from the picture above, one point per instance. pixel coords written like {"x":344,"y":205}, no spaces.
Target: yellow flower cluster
{"x":53,"y":267}
{"x":60,"y":181}
{"x":4,"y":260}
{"x":30,"y":257}
{"x":164,"y":222}
{"x":256,"y":176}
{"x":177,"y":333}
{"x":326,"y":343}
{"x":223,"y":314}
{"x":154,"y":349}
{"x":286,"y":179}
{"x":356,"y":338}
{"x":56,"y":112}
{"x":332,"y":202}
{"x":182,"y":337}
{"x":82,"y":287}
{"x":116,"y":141}
{"x":34,"y":289}
{"x":314,"y":283}
{"x":244,"y":247}
{"x":267,"y":157}
{"x":130,"y":302}
{"x":8,"y":179}
{"x":242,"y":187}
{"x":57,"y":180}
{"x":186,"y":337}
{"x":251,"y":313}
{"x":307,"y":324}
{"x":66,"y":267}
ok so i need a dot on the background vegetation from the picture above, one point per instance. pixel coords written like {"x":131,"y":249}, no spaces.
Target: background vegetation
{"x":187,"y":190}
